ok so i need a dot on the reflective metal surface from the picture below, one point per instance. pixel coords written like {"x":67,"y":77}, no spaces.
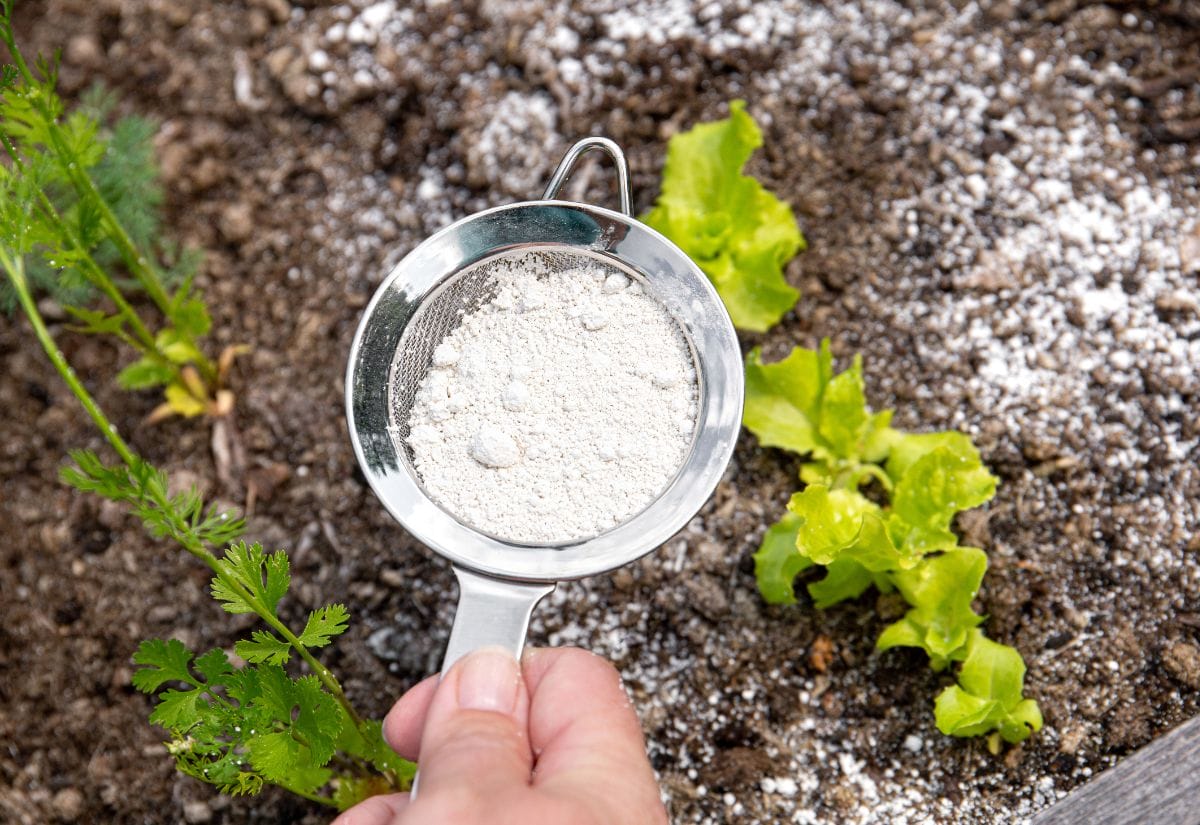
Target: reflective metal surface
{"x":491,"y":613}
{"x":668,"y":274}
{"x":567,"y":164}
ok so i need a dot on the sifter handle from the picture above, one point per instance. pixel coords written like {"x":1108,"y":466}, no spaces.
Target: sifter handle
{"x":624,"y":191}
{"x":491,"y":612}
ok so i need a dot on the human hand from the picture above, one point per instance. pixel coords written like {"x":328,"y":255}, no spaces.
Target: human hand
{"x":554,"y":741}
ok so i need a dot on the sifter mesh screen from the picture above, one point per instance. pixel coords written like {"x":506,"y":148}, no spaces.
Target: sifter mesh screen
{"x":441,"y":312}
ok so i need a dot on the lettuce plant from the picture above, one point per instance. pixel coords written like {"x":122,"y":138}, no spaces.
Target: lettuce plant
{"x":901,"y":538}
{"x":735,"y":230}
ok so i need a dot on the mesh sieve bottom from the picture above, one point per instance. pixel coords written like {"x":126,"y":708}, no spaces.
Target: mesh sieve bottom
{"x":443,"y":311}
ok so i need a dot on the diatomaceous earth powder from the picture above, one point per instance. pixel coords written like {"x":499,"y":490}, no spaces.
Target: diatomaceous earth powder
{"x":558,"y":409}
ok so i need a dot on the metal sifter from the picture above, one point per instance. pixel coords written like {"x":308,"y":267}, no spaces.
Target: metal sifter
{"x":427,"y":295}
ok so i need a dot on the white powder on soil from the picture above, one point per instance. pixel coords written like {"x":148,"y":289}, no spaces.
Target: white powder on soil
{"x":559,"y":409}
{"x":1028,"y":231}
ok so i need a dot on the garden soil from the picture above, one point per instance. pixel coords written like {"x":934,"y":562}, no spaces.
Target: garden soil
{"x":1001,"y":206}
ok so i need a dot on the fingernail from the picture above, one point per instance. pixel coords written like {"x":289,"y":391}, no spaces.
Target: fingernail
{"x":488,"y":680}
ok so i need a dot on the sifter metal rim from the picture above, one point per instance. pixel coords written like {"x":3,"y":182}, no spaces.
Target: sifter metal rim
{"x":580,"y":228}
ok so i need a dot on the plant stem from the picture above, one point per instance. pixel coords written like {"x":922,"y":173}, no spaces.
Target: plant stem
{"x":15,"y":268}
{"x":312,"y":797}
{"x":69,"y":163}
{"x":323,"y":673}
{"x":96,"y":276}
{"x":89,"y":268}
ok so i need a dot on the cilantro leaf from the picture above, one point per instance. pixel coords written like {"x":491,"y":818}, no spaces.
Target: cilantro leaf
{"x":988,"y":696}
{"x":145,"y":373}
{"x":264,"y":647}
{"x":350,"y":790}
{"x":265,"y":576}
{"x":144,"y":488}
{"x":214,"y":667}
{"x":191,"y":318}
{"x":163,"y":661}
{"x":319,"y":719}
{"x":176,"y":346}
{"x":366,"y":741}
{"x":275,"y":755}
{"x":323,"y":624}
{"x":735,"y":230}
{"x":177,"y":709}
{"x":309,"y":719}
{"x":778,"y":561}
{"x":266,"y":727}
{"x":940,"y":589}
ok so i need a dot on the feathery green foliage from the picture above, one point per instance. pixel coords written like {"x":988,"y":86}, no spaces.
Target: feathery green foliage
{"x":82,"y":217}
{"x":241,"y":728}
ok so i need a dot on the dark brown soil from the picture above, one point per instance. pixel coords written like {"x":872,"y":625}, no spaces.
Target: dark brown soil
{"x":301,"y":199}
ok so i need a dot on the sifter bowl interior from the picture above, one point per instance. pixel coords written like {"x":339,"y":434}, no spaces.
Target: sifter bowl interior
{"x":450,"y":275}
{"x":444,"y":307}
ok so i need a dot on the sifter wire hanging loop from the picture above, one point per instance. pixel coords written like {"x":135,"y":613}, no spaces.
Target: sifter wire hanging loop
{"x":567,"y":165}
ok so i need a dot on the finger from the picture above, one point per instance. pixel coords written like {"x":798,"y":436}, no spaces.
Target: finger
{"x":378,"y":810}
{"x":402,"y":726}
{"x":587,"y":736}
{"x":475,"y":741}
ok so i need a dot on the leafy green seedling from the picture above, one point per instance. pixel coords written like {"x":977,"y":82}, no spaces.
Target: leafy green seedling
{"x":901,"y":536}
{"x":735,"y":230}
{"x":989,"y":695}
{"x":223,"y":731}
{"x":776,"y":564}
{"x":905,"y":543}
{"x":239,"y":728}
{"x":941,"y":589}
{"x":798,"y":404}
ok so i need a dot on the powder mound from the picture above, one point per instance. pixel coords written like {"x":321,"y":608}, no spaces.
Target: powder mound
{"x":558,"y":409}
{"x":493,"y":448}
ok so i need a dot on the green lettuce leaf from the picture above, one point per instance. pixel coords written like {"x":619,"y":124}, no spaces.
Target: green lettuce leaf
{"x":831,"y":521}
{"x":783,"y":399}
{"x":940,"y":590}
{"x":799,"y":404}
{"x":844,"y":524}
{"x":777,"y":561}
{"x":939,"y":483}
{"x":988,"y":696}
{"x":736,"y":231}
{"x":844,"y":579}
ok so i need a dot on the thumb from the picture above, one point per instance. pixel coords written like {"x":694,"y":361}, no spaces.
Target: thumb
{"x":475,"y":745}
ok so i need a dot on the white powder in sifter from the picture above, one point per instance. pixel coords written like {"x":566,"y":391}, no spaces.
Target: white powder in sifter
{"x":559,"y":408}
